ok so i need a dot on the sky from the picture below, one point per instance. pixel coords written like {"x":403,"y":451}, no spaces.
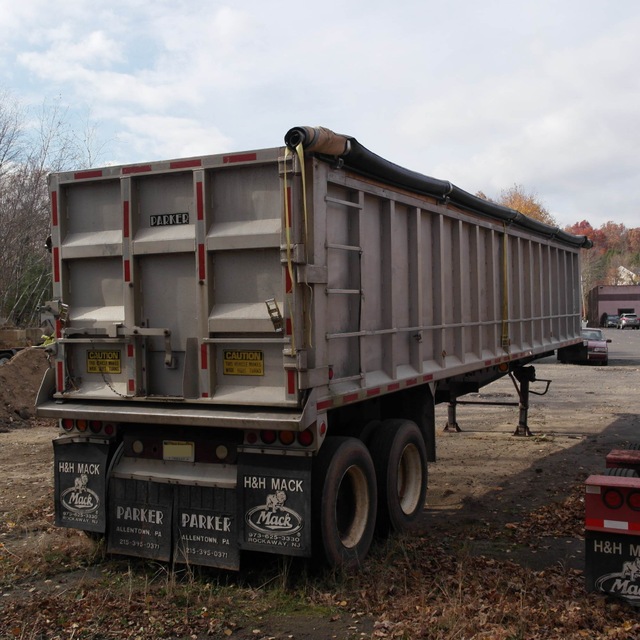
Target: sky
{"x":538,"y":93}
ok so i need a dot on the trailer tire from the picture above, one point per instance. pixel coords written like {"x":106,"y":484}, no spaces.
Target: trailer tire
{"x":622,"y":472}
{"x":344,"y":501}
{"x":399,"y":456}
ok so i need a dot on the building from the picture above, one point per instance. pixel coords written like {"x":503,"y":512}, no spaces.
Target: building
{"x":612,"y":300}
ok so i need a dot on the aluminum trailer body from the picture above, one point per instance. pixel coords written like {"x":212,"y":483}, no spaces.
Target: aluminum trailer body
{"x":249,"y":346}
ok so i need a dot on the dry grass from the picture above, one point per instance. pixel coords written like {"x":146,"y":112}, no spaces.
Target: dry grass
{"x":60,"y":585}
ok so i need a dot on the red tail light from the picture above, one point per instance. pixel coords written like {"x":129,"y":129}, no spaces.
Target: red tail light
{"x":633,"y":500}
{"x":67,"y":424}
{"x":305,"y":438}
{"x":268,"y":436}
{"x":613,"y":498}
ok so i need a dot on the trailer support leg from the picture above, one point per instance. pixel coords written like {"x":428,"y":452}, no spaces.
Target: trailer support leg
{"x":525,"y":375}
{"x":452,"y":425}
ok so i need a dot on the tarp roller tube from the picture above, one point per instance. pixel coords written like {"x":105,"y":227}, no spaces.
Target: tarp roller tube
{"x":325,"y":143}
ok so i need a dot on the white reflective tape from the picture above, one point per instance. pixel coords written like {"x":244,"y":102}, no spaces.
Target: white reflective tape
{"x":616,"y":524}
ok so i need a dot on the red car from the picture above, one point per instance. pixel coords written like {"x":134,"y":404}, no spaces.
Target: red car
{"x":593,"y":350}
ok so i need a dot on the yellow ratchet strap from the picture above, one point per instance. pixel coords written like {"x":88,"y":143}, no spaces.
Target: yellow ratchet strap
{"x":505,"y":291}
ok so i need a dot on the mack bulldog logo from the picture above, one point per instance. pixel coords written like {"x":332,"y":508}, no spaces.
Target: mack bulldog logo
{"x":79,"y":498}
{"x":624,"y":584}
{"x":273,"y":517}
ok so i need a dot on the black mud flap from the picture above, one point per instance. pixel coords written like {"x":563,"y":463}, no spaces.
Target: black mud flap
{"x":140,"y":518}
{"x":612,"y":565}
{"x":275,"y":504}
{"x":205,"y":527}
{"x":80,"y":479}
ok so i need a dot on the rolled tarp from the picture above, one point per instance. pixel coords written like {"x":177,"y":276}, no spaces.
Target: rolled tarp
{"x":329,"y":145}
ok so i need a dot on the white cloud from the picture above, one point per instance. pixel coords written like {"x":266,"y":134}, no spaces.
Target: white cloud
{"x":163,"y":137}
{"x":542,"y":94}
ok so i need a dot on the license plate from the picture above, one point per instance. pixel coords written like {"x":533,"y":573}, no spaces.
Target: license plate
{"x":104,"y":361}
{"x":178,"y":451}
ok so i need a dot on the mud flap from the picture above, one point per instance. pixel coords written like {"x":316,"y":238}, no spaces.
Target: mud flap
{"x":275,"y":504}
{"x":140,"y":518}
{"x":205,"y":527}
{"x":80,"y":480}
{"x":612,"y":565}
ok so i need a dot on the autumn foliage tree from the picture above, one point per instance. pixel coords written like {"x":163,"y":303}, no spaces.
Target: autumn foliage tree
{"x":518,"y":199}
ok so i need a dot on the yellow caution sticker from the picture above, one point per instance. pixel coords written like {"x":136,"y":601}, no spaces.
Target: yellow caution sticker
{"x":243,"y":363}
{"x":99,"y":361}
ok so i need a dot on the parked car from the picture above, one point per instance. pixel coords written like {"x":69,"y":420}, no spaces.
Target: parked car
{"x":628,"y":320}
{"x":593,"y":349}
{"x":612,"y":321}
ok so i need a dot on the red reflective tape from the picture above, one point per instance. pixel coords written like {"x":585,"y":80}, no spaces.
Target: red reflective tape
{"x":412,"y":381}
{"x":325,"y":404}
{"x":127,"y":271}
{"x":373,"y":392}
{"x":288,"y":326}
{"x":125,"y":218}
{"x":54,"y":208}
{"x":56,"y":264}
{"x":201,"y":262}
{"x":352,"y":397}
{"x":185,"y":164}
{"x":199,"y":201}
{"x":204,"y":357}
{"x":427,"y":378}
{"x":594,"y":522}
{"x":132,"y":385}
{"x":140,"y":168}
{"x":58,"y":328}
{"x":291,"y":381}
{"x":394,"y":387}
{"x":84,"y":175}
{"x":130,"y":351}
{"x":239,"y":157}
{"x":205,"y":394}
{"x":60,"y":377}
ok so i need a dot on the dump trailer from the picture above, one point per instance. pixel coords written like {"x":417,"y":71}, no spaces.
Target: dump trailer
{"x":250,"y":346}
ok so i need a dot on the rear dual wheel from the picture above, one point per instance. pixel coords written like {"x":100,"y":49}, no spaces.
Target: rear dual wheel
{"x":344,"y":501}
{"x":353,"y":484}
{"x":400,"y":460}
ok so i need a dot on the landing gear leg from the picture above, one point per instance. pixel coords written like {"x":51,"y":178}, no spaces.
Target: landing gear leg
{"x":525,"y":376}
{"x":452,"y":424}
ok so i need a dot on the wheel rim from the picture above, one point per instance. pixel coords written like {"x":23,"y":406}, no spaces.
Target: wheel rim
{"x":352,"y":507}
{"x":409,"y":485}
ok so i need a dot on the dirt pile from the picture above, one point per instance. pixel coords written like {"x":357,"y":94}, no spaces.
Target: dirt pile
{"x":20,"y":380}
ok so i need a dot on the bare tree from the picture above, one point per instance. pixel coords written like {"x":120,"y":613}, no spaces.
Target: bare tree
{"x":27,"y":156}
